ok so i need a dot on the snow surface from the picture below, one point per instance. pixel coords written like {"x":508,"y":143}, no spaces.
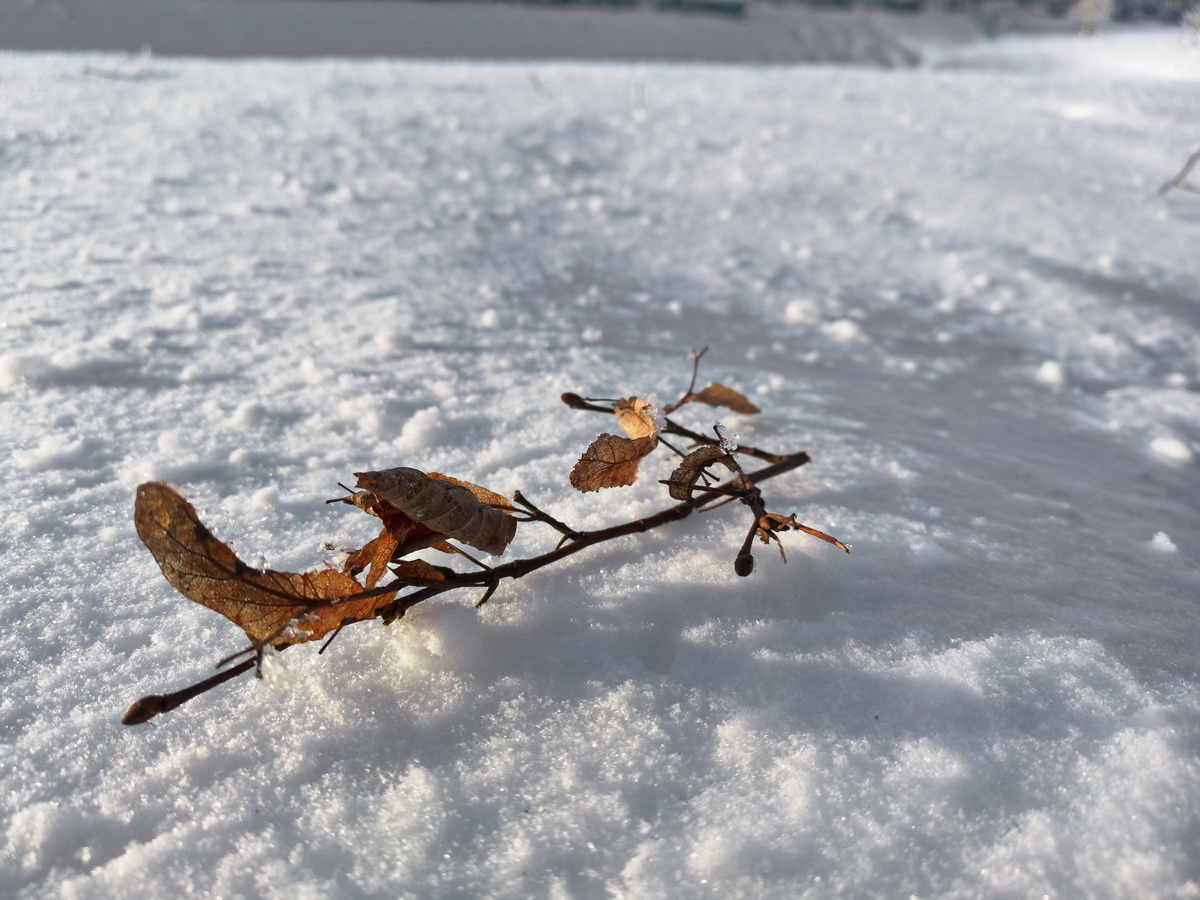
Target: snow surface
{"x":951,"y":286}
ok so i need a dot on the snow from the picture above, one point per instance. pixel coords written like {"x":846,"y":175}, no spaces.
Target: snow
{"x":950,"y":284}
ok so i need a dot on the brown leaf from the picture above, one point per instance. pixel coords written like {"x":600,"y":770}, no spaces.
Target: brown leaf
{"x":683,"y":480}
{"x":271,"y":607}
{"x":445,"y":506}
{"x":376,"y":554}
{"x":773,"y":522}
{"x":482,"y":494}
{"x":418,"y":568}
{"x":398,"y":537}
{"x":719,"y":395}
{"x":634,"y":417}
{"x":611,"y":461}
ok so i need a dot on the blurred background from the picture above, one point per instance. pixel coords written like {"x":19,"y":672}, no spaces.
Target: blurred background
{"x":735,"y":31}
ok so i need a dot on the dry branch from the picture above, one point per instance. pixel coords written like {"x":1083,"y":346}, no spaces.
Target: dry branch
{"x":1180,"y":180}
{"x":417,"y":511}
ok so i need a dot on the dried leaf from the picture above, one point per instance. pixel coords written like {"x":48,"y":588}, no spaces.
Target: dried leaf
{"x":719,"y":395}
{"x":444,"y":506}
{"x":611,"y":461}
{"x":399,"y":536}
{"x":482,"y":494}
{"x":637,"y":418}
{"x":419,"y":569}
{"x":823,"y":536}
{"x":773,"y":522}
{"x":271,"y":607}
{"x":376,"y":554}
{"x":683,"y":480}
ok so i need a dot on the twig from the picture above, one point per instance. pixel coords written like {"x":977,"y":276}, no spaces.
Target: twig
{"x":1179,"y":180}
{"x":147,"y":708}
{"x":537,"y":515}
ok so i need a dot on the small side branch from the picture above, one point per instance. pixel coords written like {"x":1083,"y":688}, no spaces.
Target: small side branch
{"x":672,"y":427}
{"x":538,"y":515}
{"x":1180,"y":180}
{"x":148,"y":707}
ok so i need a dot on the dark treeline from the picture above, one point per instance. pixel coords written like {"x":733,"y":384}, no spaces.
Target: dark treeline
{"x":1123,"y":10}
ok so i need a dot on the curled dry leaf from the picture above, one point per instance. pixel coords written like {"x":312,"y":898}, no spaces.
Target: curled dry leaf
{"x":637,"y":418}
{"x":719,"y":395}
{"x":683,"y":480}
{"x":445,"y":506}
{"x":398,"y":537}
{"x":271,"y":607}
{"x":611,"y":461}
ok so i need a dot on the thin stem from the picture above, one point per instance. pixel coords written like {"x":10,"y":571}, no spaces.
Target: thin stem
{"x":148,"y":707}
{"x":1179,"y":180}
{"x":538,"y":515}
{"x":691,"y":388}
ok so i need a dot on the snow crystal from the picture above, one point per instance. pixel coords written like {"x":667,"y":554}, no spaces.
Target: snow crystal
{"x":728,"y":439}
{"x":1162,"y":543}
{"x":1172,"y":449}
{"x":274,"y":669}
{"x":802,"y":312}
{"x":843,"y":331}
{"x":421,"y":431}
{"x":1051,"y":372}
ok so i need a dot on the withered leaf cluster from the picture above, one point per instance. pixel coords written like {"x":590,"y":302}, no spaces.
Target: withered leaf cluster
{"x":418,"y":511}
{"x":415,"y":510}
{"x":613,"y":461}
{"x":270,"y":607}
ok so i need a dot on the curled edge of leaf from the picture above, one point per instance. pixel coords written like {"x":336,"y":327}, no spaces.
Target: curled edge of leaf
{"x":683,"y":480}
{"x":446,"y":506}
{"x":483,"y":495}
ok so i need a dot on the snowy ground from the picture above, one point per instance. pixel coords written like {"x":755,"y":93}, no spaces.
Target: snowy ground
{"x":949,"y":285}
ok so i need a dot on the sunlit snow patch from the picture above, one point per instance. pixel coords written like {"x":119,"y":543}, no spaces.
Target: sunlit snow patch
{"x":1051,"y":373}
{"x":1172,"y":449}
{"x":1162,"y":543}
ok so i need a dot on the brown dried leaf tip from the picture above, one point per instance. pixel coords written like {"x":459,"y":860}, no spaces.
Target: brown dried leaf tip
{"x":270,"y":607}
{"x":611,"y":461}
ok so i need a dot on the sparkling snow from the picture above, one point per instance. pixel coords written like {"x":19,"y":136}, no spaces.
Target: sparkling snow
{"x":951,"y":285}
